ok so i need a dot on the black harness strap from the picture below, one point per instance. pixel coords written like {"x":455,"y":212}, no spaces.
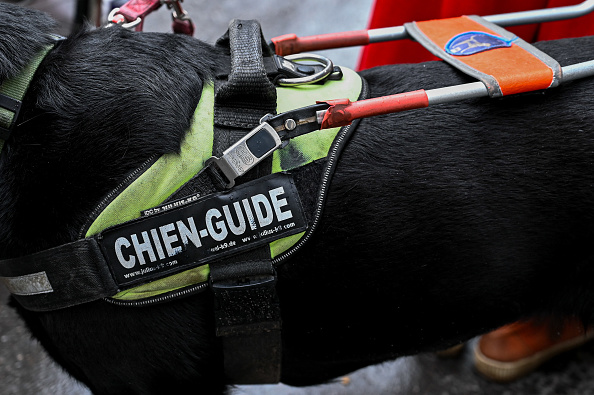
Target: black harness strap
{"x":246,"y":306}
{"x":247,"y":94}
{"x":247,"y":314}
{"x":45,"y":273}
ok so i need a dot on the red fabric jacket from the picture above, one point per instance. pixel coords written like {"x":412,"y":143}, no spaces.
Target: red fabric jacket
{"x":386,"y":13}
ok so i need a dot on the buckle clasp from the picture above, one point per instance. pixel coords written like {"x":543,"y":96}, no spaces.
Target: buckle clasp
{"x":247,"y":152}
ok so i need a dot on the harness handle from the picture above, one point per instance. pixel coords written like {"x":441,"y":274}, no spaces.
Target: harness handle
{"x":290,"y":44}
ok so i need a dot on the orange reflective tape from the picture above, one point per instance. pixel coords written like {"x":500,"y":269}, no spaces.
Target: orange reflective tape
{"x":515,"y":69}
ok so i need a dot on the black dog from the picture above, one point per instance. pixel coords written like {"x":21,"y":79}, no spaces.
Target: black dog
{"x":440,"y":224}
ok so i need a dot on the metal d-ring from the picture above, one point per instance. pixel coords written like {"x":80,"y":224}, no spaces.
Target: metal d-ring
{"x":310,"y":79}
{"x":126,"y":25}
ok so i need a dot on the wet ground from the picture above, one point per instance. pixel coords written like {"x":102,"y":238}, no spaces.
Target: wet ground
{"x":26,"y":369}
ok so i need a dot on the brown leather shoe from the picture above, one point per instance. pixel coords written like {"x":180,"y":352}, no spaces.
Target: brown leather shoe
{"x":515,"y":350}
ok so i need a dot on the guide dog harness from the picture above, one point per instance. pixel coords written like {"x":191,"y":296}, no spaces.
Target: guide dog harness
{"x":220,"y":215}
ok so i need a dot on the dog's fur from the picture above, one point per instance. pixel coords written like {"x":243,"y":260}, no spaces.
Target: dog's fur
{"x":441,"y":223}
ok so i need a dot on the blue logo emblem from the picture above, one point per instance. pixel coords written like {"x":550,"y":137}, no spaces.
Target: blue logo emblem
{"x":470,"y":43}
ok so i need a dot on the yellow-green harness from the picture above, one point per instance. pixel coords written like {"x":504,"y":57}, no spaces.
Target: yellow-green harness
{"x":176,"y":210}
{"x":172,"y":171}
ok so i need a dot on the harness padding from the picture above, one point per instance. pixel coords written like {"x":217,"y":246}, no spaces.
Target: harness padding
{"x":170,"y":172}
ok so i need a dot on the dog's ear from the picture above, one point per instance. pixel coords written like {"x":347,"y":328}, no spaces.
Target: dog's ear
{"x":23,"y":32}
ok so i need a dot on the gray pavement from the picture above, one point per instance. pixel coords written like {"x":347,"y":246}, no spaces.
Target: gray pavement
{"x":26,"y":369}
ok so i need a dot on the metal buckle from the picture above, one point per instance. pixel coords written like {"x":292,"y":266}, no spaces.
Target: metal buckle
{"x":327,"y":69}
{"x":247,"y":152}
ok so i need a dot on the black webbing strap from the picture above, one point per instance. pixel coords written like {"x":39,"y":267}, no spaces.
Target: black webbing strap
{"x":246,"y":306}
{"x":247,"y":94}
{"x":247,"y":314}
{"x":62,"y":285}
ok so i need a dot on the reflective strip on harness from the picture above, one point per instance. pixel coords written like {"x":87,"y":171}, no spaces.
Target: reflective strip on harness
{"x":503,"y":62}
{"x":29,"y":284}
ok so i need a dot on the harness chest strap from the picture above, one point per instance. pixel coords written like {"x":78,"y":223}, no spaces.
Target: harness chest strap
{"x":152,"y":247}
{"x":247,"y":311}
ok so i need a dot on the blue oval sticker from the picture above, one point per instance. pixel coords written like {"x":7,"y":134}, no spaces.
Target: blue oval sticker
{"x":470,"y":43}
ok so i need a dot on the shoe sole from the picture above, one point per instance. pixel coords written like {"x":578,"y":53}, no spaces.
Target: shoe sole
{"x":509,"y":371}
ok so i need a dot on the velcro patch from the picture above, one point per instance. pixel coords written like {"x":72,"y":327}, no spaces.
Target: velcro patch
{"x":189,"y":235}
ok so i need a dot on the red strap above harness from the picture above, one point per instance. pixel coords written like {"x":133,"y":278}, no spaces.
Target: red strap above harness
{"x":135,"y":9}
{"x":505,"y":63}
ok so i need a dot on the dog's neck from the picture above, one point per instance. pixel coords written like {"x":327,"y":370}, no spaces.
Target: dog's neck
{"x":86,"y":87}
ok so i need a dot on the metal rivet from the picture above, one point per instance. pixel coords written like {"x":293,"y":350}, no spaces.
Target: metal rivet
{"x":290,"y":124}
